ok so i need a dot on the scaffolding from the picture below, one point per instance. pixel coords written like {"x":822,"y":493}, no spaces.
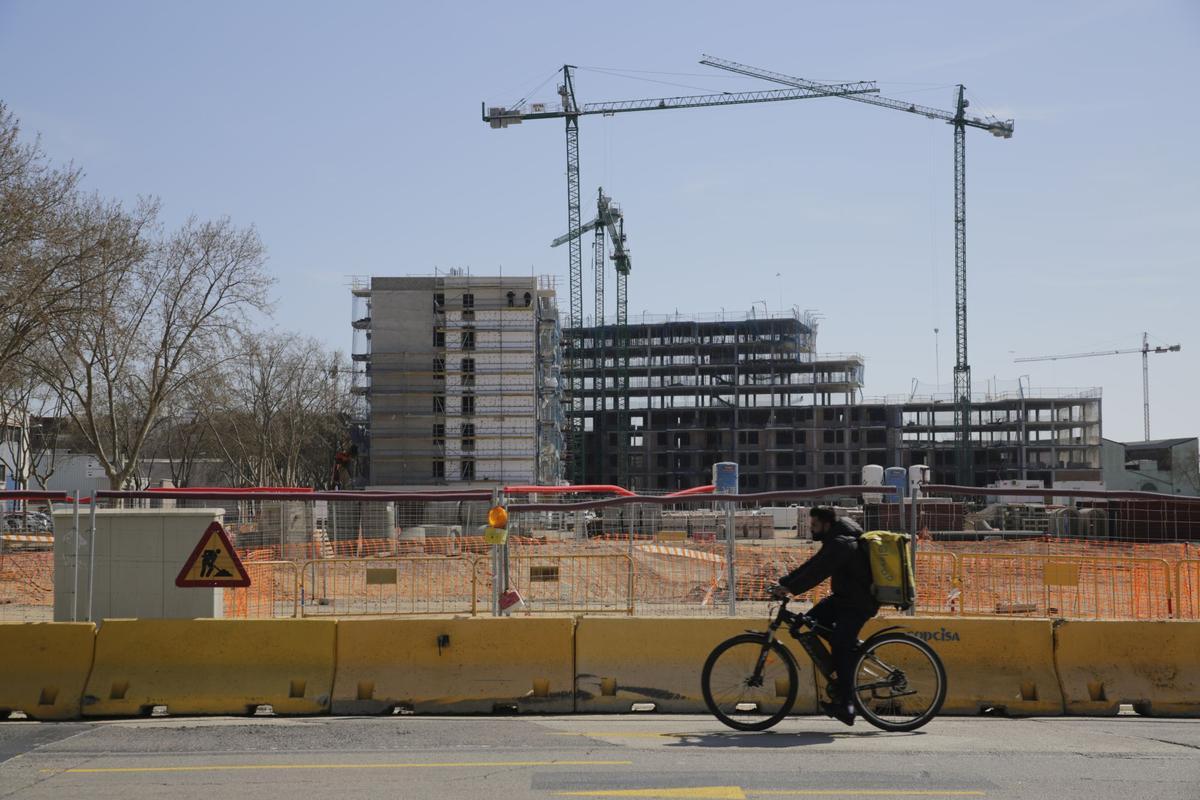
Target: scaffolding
{"x":461,"y":377}
{"x":753,"y":388}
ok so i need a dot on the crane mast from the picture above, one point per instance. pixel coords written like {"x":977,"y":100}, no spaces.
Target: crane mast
{"x":965,"y":457}
{"x":610,"y":223}
{"x":575,"y":438}
{"x":621,"y":259}
{"x":502,"y":117}
{"x":964,"y":450}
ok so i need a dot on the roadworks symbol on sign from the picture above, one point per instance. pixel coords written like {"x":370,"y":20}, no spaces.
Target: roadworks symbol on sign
{"x":214,"y":563}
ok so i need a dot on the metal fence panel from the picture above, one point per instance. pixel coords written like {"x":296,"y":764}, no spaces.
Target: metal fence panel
{"x":392,"y":586}
{"x":1065,"y":586}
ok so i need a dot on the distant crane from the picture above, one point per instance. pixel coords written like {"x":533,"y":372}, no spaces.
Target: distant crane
{"x":1145,"y":350}
{"x":570,"y":112}
{"x":610,"y":219}
{"x":958,"y":118}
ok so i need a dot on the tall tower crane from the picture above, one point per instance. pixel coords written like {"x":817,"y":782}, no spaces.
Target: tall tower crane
{"x":959,"y":119}
{"x":570,"y":112}
{"x":1145,"y":350}
{"x":610,"y":220}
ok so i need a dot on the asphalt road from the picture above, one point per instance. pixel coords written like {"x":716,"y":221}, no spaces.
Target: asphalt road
{"x":513,"y":758}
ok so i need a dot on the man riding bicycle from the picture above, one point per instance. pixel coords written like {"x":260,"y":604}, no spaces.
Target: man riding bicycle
{"x":850,"y":603}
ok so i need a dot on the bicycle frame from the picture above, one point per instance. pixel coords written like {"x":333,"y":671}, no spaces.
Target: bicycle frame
{"x":815,"y":647}
{"x":821,"y":656}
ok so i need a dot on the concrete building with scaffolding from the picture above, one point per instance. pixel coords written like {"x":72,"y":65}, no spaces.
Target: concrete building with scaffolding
{"x":458,"y":380}
{"x":754,"y":389}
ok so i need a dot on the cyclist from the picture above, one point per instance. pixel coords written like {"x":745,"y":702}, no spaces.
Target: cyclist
{"x":849,"y":605}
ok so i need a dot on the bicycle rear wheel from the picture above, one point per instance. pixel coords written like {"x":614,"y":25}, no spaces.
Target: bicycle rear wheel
{"x":899,"y":682}
{"x":741,"y":693}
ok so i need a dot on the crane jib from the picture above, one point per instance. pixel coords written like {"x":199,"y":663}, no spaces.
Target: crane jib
{"x":517,"y":115}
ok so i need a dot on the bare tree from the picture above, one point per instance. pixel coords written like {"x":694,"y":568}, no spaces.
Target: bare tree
{"x":157,"y":321}
{"x":36,"y":412}
{"x":284,"y":412}
{"x":185,"y":438}
{"x":54,"y":241}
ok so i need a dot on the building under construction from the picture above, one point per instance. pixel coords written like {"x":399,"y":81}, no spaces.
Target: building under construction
{"x":754,"y":389}
{"x":459,"y":378}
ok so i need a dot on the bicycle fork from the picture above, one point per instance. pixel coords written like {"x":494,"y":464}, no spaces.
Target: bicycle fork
{"x":756,"y":677}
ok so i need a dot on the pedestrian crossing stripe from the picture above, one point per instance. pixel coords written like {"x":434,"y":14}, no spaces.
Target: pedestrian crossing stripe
{"x":214,"y":563}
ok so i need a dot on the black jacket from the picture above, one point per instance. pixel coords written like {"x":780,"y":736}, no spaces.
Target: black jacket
{"x":840,"y":559}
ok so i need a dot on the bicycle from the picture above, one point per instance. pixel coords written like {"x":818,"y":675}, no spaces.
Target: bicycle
{"x":899,"y":681}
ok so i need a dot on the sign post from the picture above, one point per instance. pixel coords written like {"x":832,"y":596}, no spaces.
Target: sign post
{"x":725,"y":482}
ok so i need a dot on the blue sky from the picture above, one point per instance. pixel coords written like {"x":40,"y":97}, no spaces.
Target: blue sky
{"x":349,"y":134}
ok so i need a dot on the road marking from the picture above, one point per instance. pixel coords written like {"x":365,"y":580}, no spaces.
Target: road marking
{"x":866,"y":792}
{"x":413,"y":765}
{"x":698,"y":792}
{"x":737,"y":793}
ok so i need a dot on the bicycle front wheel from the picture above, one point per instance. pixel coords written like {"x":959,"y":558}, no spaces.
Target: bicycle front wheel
{"x":899,"y":682}
{"x":750,"y":682}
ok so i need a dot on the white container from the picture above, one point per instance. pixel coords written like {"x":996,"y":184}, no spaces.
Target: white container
{"x":414,"y":534}
{"x":917,"y":475}
{"x":442,"y":531}
{"x":872,"y":475}
{"x":783,"y":518}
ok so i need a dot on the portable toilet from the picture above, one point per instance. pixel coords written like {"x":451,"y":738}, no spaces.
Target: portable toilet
{"x":872,"y":475}
{"x":898,"y":477}
{"x":917,"y":475}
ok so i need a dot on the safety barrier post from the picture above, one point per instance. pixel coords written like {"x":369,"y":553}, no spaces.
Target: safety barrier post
{"x":730,"y":553}
{"x":630,"y":579}
{"x":912,"y":541}
{"x":75,"y":563}
{"x":957,"y":580}
{"x":629,"y":588}
{"x":498,"y":566}
{"x":1187,"y":590}
{"x":92,"y":557}
{"x":474,"y":587}
{"x":1172,"y":610}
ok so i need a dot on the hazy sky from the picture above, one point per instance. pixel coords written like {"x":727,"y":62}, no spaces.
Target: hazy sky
{"x":349,"y":134}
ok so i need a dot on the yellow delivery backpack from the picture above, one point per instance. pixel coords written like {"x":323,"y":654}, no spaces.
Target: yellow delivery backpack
{"x":890,"y":556}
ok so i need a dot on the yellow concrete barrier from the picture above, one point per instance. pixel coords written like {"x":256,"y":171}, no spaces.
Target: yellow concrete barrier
{"x":1001,"y":665}
{"x":463,"y":666}
{"x":211,"y":666}
{"x":44,"y":667}
{"x":620,"y":662}
{"x":1155,"y":666}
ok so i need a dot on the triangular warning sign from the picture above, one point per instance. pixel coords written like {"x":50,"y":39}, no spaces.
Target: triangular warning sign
{"x":214,"y":563}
